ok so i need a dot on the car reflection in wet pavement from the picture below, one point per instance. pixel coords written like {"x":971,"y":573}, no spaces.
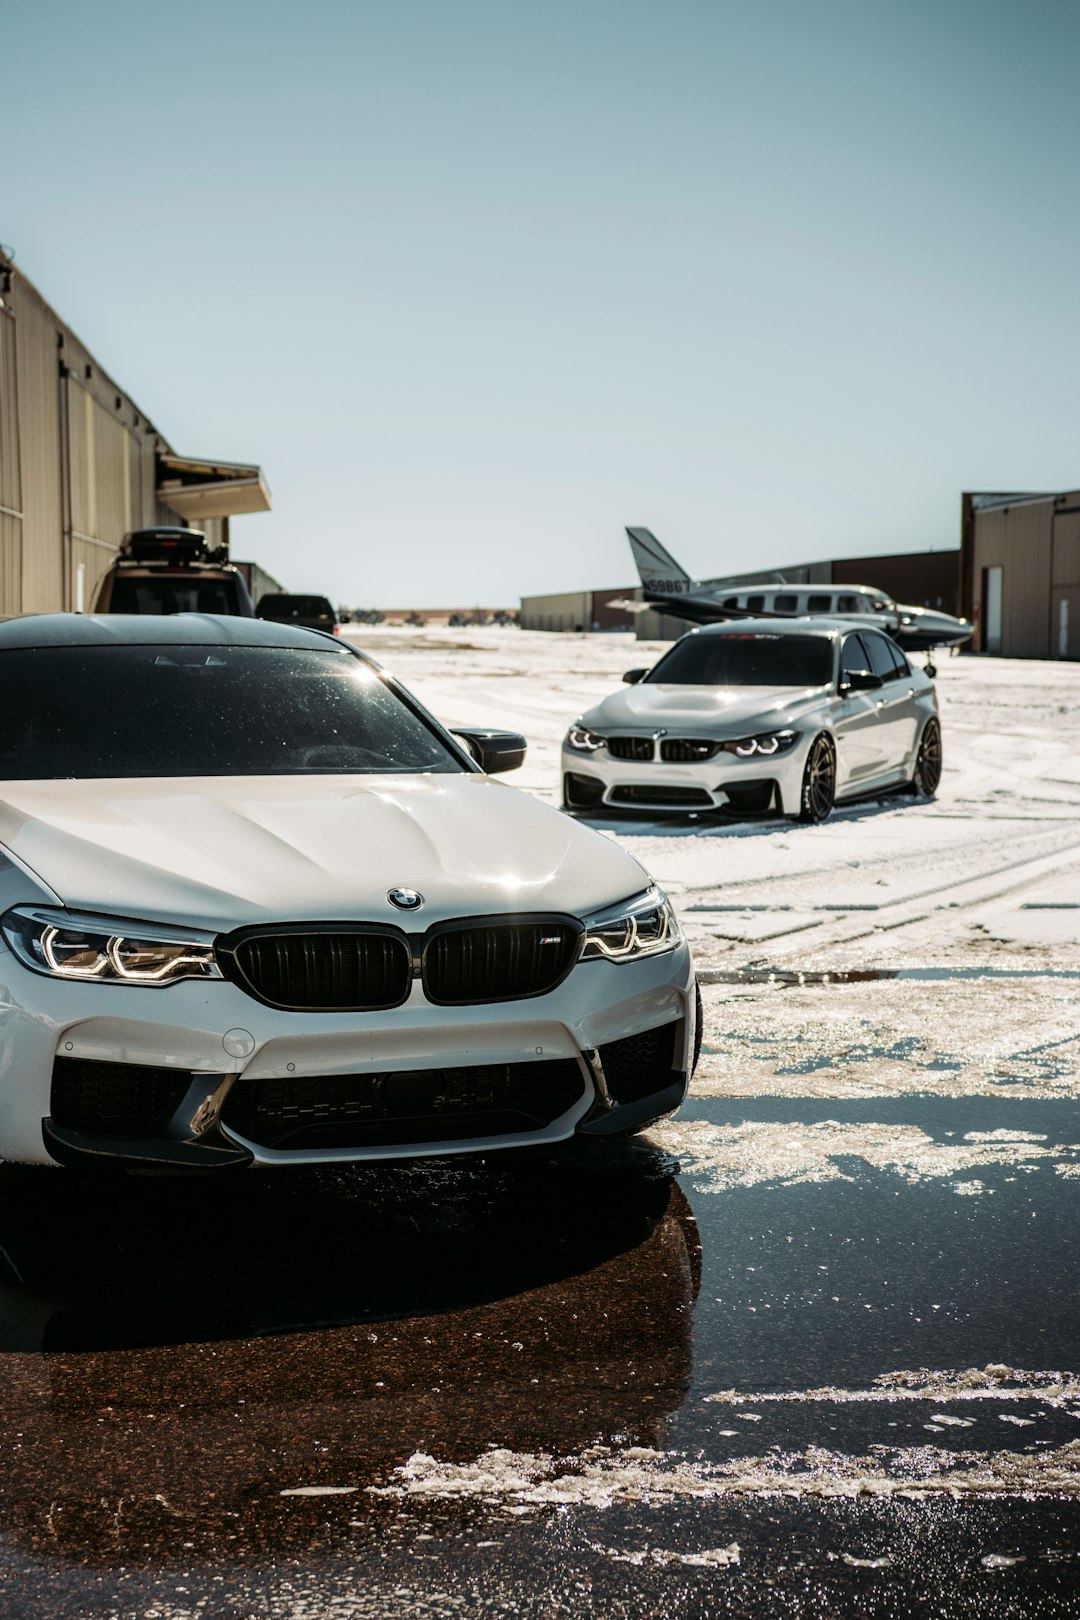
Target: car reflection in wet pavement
{"x":191,"y":1371}
{"x":494,"y":1388}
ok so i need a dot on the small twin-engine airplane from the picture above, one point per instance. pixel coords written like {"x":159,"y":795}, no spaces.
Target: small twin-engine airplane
{"x":667,"y":587}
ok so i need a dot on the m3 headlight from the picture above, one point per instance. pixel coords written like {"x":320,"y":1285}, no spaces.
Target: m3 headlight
{"x":645,"y":926}
{"x":766,"y":743}
{"x":107,"y":950}
{"x":583,"y":740}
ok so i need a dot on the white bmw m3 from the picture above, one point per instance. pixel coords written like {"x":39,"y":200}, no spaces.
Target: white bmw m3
{"x":759,"y":715}
{"x":258,"y":907}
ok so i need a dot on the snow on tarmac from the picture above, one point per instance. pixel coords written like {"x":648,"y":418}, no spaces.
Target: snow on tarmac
{"x":982,"y":885}
{"x":919,"y":951}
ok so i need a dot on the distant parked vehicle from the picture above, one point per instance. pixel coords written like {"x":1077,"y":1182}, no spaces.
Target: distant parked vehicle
{"x":172,"y":570}
{"x":759,"y":716}
{"x":304,"y":612}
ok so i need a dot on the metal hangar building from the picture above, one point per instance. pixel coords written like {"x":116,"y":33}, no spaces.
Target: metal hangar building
{"x":81,"y":464}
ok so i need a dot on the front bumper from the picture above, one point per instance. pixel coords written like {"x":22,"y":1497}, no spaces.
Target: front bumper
{"x":594,"y":781}
{"x":410,"y":1066}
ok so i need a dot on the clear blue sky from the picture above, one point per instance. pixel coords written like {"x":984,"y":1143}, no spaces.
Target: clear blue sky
{"x":478,"y":282}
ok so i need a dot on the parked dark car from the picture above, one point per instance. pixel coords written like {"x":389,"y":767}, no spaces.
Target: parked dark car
{"x":172,"y":570}
{"x":306,"y":612}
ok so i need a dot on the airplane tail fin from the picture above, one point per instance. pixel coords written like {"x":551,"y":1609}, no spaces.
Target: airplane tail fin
{"x":660,"y":574}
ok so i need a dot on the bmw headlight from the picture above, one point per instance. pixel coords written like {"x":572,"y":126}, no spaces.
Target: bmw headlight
{"x":644,"y":926}
{"x":766,"y":742}
{"x":584,"y":740}
{"x":107,"y":950}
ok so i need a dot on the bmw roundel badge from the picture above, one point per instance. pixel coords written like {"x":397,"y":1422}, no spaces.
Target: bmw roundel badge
{"x":405,"y":899}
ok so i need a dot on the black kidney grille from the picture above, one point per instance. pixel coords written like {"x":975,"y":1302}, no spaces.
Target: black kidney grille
{"x":630,"y":747}
{"x":688,"y":749}
{"x":326,"y":971}
{"x":498,"y":961}
{"x":402,"y":1107}
{"x":638,"y":1065}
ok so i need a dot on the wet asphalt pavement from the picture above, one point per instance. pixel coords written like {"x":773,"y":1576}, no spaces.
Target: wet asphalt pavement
{"x":581,"y":1384}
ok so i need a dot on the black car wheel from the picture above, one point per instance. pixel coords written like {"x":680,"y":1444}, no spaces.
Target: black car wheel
{"x":927,"y":773}
{"x":819,"y":781}
{"x":699,"y":1029}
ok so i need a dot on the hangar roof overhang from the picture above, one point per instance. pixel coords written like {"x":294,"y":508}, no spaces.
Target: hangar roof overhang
{"x":210,"y":489}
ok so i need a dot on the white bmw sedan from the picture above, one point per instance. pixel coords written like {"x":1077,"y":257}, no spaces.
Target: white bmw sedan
{"x":258,"y":907}
{"x":759,"y":715}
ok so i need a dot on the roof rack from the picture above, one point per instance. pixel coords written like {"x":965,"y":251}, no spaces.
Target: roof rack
{"x":169,"y":544}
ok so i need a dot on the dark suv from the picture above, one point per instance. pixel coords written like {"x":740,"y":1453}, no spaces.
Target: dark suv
{"x":172,"y":570}
{"x":307,"y":612}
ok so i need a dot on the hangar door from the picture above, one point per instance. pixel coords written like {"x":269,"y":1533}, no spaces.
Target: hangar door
{"x":991,"y":609}
{"x":10,"y":473}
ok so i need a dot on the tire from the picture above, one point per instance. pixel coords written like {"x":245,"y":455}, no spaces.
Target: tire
{"x":818,"y":793}
{"x":699,"y":1030}
{"x":927,"y":772}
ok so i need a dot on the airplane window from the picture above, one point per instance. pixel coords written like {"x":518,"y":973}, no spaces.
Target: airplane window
{"x":847,"y":604}
{"x":755,"y":603}
{"x":730,"y":601}
{"x":819,"y":604}
{"x":785,"y":603}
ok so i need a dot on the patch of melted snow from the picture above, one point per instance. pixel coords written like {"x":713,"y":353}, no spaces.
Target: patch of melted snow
{"x":994,"y":1382}
{"x":520,"y":1482}
{"x":723,"y":1157}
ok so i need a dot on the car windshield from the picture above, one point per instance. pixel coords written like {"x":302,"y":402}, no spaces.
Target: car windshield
{"x":295,"y":607}
{"x":186,"y":594}
{"x":205,"y":711}
{"x":746,"y":658}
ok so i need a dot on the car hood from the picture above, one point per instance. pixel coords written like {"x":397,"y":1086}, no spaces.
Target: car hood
{"x":221,"y":852}
{"x":723,"y":709}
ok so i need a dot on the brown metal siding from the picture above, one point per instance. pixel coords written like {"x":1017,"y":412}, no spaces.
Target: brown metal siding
{"x":1065,"y":562}
{"x":922,"y":578}
{"x":10,"y":564}
{"x":37,"y":339}
{"x":608,"y":617}
{"x":1018,"y":539}
{"x":10,"y":478}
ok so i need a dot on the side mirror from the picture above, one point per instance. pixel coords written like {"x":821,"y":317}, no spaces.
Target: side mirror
{"x":494,"y":751}
{"x":633,"y":676}
{"x":861,"y":680}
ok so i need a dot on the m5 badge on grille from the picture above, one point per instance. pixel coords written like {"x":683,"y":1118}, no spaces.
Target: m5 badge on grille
{"x":405,"y":899}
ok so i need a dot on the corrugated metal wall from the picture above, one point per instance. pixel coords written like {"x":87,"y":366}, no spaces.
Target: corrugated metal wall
{"x":10,"y":472}
{"x":922,"y":578}
{"x":77,"y":460}
{"x":567,"y":610}
{"x":37,"y":345}
{"x":1018,"y":540}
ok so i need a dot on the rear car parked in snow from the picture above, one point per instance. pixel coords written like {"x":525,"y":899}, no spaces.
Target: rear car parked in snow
{"x":759,"y":715}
